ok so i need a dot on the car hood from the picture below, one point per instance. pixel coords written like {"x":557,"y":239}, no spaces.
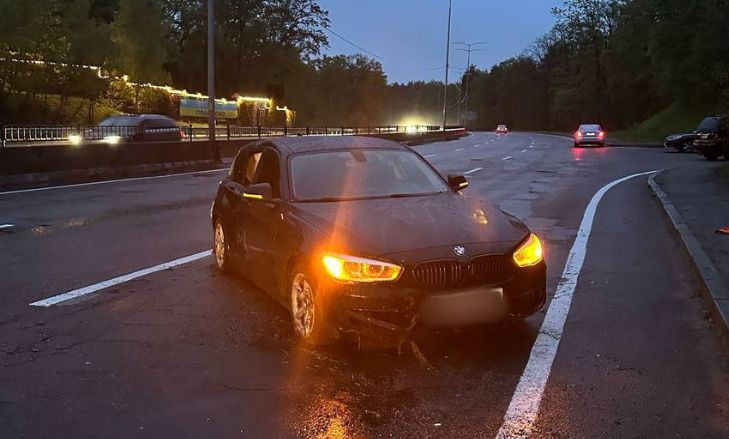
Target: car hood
{"x":381,"y":227}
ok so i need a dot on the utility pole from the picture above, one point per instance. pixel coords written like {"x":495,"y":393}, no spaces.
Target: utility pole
{"x":468,"y":72}
{"x":448,"y":57}
{"x":211,"y":80}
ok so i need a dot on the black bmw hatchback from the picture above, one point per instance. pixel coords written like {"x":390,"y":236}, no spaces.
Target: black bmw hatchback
{"x":362,"y":236}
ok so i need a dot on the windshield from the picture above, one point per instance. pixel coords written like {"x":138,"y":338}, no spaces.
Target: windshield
{"x":589,"y":127}
{"x":362,"y":173}
{"x":710,"y":124}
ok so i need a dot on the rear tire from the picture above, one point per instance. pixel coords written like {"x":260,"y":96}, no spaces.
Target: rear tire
{"x":710,"y":155}
{"x":220,"y":248}
{"x":310,"y":312}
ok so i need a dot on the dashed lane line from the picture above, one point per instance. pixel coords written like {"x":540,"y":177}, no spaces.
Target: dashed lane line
{"x":521,"y":416}
{"x":472,"y":171}
{"x":508,"y":157}
{"x":74,"y":294}
{"x":429,"y":156}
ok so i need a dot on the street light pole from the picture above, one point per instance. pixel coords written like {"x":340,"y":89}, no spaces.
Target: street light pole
{"x":448,"y":57}
{"x":468,"y":73}
{"x":211,"y":80}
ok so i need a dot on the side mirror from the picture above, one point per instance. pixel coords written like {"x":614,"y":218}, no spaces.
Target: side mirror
{"x":457,"y":182}
{"x":259,"y":191}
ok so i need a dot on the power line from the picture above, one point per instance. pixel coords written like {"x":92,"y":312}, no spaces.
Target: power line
{"x":351,"y":43}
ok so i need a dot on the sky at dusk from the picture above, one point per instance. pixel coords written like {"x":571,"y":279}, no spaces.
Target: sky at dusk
{"x":409,"y":35}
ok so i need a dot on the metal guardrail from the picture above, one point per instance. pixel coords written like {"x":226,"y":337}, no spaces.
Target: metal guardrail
{"x":19,"y":135}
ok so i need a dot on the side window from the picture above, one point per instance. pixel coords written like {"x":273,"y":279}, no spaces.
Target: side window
{"x":251,"y":166}
{"x":244,"y":167}
{"x":269,"y":172}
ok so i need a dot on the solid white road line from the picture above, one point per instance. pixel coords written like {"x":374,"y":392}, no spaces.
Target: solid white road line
{"x":429,"y":156}
{"x":55,"y":300}
{"x":521,"y":416}
{"x":472,"y":171}
{"x":5,"y":226}
{"x":121,"y":180}
{"x":459,"y":149}
{"x":508,"y":157}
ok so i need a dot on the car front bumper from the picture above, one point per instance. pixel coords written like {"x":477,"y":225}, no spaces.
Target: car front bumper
{"x":391,"y":312}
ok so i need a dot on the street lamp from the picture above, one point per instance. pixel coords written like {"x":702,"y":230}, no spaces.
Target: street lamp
{"x":211,"y":80}
{"x":468,"y":73}
{"x":448,"y":57}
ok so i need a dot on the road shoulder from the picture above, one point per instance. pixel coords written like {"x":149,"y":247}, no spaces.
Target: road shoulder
{"x":697,"y":204}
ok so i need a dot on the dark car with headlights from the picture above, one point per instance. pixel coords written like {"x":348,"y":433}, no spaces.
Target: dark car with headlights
{"x":712,"y":139}
{"x":680,"y":142}
{"x":362,"y":236}
{"x":135,"y":128}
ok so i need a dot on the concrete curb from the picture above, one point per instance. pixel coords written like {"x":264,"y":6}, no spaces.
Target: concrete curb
{"x":715,"y":291}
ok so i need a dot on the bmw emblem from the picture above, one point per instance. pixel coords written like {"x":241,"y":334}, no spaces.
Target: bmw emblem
{"x":459,"y":250}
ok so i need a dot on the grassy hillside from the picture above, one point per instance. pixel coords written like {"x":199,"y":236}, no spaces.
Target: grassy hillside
{"x":672,"y":120}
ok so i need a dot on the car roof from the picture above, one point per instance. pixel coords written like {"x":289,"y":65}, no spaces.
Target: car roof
{"x":294,"y":145}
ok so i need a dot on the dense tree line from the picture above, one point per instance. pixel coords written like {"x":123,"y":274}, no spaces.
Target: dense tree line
{"x":617,"y":62}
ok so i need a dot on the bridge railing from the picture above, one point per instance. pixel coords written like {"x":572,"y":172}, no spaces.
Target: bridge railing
{"x":25,"y":135}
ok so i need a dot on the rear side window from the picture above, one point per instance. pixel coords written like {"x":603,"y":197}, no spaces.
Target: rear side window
{"x":590,"y":128}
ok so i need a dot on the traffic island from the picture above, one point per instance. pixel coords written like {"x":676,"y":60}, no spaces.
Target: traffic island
{"x":695,"y":199}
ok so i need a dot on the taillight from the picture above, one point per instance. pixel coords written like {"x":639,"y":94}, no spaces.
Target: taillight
{"x":182,"y":132}
{"x":601,"y":134}
{"x":578,"y":135}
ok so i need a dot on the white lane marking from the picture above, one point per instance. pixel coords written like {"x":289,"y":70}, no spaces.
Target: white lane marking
{"x":6,"y":226}
{"x":531,"y":146}
{"x":523,"y":150}
{"x":459,"y":149}
{"x":521,"y":416}
{"x":55,"y":300}
{"x":508,"y":157}
{"x":429,"y":156}
{"x":121,"y":180}
{"x":472,"y":171}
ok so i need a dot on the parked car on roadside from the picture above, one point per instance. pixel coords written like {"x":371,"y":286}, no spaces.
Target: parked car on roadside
{"x":502,"y":129}
{"x":590,"y":134}
{"x":712,"y":139}
{"x":681,"y":142}
{"x":135,"y":128}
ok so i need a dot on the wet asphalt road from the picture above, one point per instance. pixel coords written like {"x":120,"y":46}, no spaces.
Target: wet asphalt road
{"x":191,"y":353}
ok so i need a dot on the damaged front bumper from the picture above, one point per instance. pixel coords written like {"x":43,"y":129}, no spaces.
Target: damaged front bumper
{"x":391,"y":312}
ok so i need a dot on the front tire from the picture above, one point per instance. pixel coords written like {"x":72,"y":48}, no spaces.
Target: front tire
{"x":309,"y":310}
{"x":220,"y":248}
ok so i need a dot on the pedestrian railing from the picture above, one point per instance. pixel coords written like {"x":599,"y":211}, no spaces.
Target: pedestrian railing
{"x":19,"y":135}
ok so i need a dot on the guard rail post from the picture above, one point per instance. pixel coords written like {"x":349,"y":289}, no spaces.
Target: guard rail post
{"x":286,"y":130}
{"x":2,"y":135}
{"x":307,"y":131}
{"x":227,"y":129}
{"x":259,"y":132}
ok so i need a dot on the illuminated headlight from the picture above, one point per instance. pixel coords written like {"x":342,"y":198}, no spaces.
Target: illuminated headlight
{"x":354,"y":269}
{"x":530,"y":253}
{"x":112,"y":140}
{"x":74,"y":139}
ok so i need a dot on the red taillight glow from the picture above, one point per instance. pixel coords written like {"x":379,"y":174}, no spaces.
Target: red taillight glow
{"x":578,"y":135}
{"x":601,"y":134}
